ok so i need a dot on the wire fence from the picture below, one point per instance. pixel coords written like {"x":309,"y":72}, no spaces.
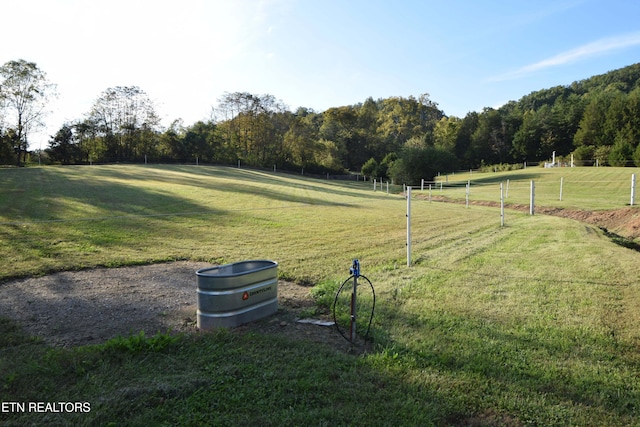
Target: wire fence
{"x":569,"y":192}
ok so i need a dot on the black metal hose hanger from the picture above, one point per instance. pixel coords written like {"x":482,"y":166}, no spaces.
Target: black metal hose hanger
{"x":355,"y":275}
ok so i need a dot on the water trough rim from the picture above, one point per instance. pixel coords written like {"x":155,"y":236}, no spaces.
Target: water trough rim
{"x":202,"y":272}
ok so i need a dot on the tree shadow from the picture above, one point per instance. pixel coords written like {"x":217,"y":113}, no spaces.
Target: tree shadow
{"x":244,"y":181}
{"x":520,"y":360}
{"x":498,"y":178}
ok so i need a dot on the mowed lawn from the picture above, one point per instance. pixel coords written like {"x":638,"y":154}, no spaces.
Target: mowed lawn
{"x":533,"y":323}
{"x":591,"y":188}
{"x":76,"y":217}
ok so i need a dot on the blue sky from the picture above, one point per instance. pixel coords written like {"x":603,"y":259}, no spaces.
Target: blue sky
{"x":315,"y":53}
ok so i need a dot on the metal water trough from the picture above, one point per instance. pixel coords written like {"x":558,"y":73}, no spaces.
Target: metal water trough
{"x":233,"y":294}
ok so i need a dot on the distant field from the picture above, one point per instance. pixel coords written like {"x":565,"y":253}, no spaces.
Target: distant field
{"x":534,"y":323}
{"x":582,"y":187}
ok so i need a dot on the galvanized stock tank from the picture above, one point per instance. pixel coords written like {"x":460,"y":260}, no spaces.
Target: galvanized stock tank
{"x":233,"y":294}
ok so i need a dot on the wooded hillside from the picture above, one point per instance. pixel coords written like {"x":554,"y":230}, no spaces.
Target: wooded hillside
{"x":596,"y":119}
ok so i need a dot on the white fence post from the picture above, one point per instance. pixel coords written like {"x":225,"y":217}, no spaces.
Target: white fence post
{"x":429,"y":193}
{"x":532,"y":198}
{"x":501,"y":205}
{"x":422,"y":185}
{"x":408,"y":226}
{"x":633,"y":189}
{"x":561,"y":185}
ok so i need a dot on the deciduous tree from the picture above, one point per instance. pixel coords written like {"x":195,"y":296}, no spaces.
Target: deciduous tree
{"x":125,"y":117}
{"x":24,"y":94}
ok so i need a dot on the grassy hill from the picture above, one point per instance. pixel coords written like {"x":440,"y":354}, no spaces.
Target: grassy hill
{"x":532,"y":323}
{"x":587,"y":188}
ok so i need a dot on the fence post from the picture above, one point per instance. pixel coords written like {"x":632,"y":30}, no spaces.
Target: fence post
{"x":561,"y":185}
{"x":501,"y":205}
{"x":467,"y":193}
{"x":429,"y":193}
{"x":408,"y":226}
{"x":422,"y":185}
{"x":633,"y":189}
{"x":532,"y":198}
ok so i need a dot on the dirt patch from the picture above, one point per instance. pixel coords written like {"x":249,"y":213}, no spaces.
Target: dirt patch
{"x":91,"y":306}
{"x":624,"y":222}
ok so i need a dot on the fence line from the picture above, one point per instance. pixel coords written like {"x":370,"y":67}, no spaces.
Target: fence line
{"x":551,"y":191}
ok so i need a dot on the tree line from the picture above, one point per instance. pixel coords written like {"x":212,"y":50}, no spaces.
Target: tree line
{"x":402,"y":138}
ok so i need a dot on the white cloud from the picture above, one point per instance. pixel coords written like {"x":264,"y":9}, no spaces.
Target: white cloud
{"x":589,"y":50}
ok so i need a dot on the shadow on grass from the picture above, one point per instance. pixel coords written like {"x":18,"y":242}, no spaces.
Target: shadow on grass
{"x":554,"y":373}
{"x":46,"y":194}
{"x":64,"y":216}
{"x":208,"y":379}
{"x":498,"y":178}
{"x":253,"y":182}
{"x":232,"y":180}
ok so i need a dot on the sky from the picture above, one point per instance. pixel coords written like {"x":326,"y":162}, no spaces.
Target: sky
{"x":186,"y":54}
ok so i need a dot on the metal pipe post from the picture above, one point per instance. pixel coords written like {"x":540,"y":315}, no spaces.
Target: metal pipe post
{"x":355,"y":271}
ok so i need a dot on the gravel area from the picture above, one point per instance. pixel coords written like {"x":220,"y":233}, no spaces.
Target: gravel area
{"x":75,"y":308}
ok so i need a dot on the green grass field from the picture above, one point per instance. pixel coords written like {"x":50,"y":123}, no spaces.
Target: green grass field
{"x":534,"y":323}
{"x":582,"y":188}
